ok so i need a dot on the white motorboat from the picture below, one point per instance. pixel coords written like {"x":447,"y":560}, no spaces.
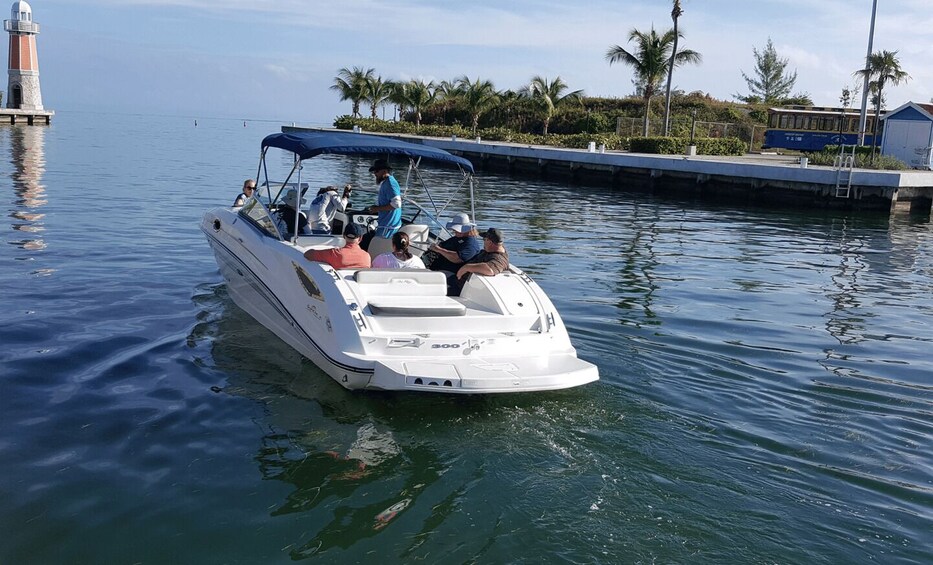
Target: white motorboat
{"x":387,"y":329}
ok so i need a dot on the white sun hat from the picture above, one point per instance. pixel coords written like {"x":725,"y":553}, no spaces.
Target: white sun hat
{"x":460,"y":223}
{"x":291,"y":196}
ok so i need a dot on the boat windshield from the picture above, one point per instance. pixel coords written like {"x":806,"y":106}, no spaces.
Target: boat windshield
{"x":258,"y":215}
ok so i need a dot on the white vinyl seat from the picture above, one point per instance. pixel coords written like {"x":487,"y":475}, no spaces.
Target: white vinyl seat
{"x":378,"y":246}
{"x":407,"y":292}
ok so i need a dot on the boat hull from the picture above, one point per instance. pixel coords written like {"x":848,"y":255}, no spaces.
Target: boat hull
{"x":395,"y":330}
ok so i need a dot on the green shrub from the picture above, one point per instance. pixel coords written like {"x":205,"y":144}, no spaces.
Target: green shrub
{"x":720,"y":146}
{"x":863,"y":160}
{"x":859,"y":150}
{"x":678,"y":145}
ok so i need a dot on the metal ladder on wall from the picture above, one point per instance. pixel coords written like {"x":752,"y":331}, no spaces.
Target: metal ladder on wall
{"x":843,"y":164}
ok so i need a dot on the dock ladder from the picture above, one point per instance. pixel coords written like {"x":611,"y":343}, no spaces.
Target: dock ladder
{"x":844,"y":163}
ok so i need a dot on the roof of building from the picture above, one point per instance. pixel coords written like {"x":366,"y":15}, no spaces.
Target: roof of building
{"x":911,"y":111}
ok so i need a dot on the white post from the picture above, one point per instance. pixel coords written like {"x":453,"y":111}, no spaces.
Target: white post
{"x":863,"y":117}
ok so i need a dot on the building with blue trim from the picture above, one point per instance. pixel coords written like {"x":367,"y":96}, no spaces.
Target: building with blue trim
{"x":908,"y":135}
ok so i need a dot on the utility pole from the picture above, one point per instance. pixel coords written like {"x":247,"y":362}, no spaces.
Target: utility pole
{"x":863,"y":117}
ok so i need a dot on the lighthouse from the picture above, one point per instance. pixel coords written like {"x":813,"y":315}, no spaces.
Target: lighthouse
{"x":23,"y":91}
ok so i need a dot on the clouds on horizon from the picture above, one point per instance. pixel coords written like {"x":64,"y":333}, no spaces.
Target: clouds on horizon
{"x":266,"y":48}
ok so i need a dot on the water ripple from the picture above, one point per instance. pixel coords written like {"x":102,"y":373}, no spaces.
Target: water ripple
{"x":765,"y":391}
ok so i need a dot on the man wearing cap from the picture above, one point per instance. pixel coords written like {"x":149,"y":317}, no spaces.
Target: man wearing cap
{"x":388,"y":203}
{"x":350,"y":256}
{"x":492,"y":260}
{"x":456,"y":250}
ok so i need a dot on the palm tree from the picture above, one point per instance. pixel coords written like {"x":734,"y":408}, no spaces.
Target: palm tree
{"x":675,"y":15}
{"x":351,"y":84}
{"x":478,"y":97}
{"x":378,"y":92}
{"x":650,"y":61}
{"x":447,"y":92}
{"x":550,"y":95}
{"x":883,"y":67}
{"x":415,"y":95}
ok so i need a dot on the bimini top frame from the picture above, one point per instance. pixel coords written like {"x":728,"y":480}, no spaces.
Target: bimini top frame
{"x":307,"y":144}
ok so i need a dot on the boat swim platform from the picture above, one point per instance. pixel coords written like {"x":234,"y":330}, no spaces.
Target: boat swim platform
{"x":752,"y":179}
{"x":28,"y":117}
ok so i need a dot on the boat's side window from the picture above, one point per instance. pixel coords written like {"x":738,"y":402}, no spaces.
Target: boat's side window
{"x":257,"y":214}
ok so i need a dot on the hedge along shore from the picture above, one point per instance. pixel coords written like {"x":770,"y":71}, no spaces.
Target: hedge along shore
{"x":765,"y":180}
{"x":611,"y":141}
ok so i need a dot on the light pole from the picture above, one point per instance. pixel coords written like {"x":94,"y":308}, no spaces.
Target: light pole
{"x":863,"y":117}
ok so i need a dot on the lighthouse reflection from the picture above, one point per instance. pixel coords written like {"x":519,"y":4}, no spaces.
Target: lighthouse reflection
{"x":27,"y":151}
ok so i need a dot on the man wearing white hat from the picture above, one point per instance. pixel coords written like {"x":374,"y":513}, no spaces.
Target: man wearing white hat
{"x":456,"y":250}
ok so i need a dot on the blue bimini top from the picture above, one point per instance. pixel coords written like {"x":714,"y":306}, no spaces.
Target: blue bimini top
{"x":307,"y":144}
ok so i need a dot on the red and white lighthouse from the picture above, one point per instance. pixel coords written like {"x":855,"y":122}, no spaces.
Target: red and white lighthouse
{"x":23,"y":91}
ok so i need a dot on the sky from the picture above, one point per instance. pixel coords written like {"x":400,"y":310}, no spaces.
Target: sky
{"x":276,"y":59}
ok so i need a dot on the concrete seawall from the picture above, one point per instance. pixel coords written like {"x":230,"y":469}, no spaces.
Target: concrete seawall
{"x":753,"y":179}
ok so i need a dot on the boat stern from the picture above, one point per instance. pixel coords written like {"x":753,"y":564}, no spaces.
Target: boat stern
{"x":484,"y":376}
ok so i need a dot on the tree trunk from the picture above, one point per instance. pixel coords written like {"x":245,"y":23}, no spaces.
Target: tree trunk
{"x":875,"y":130}
{"x":475,"y":123}
{"x":647,"y":111}
{"x":546,"y":122}
{"x":670,"y":77}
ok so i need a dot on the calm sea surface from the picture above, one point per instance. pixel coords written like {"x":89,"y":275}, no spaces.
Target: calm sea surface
{"x":766,"y":391}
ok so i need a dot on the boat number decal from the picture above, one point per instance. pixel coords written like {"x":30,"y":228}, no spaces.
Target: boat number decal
{"x":345,"y":379}
{"x":446,"y":346}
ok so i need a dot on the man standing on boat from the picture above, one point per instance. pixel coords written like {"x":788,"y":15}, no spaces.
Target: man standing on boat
{"x":325,"y":206}
{"x":388,"y":204}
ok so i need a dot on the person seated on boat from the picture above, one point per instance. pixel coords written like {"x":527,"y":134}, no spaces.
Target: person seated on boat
{"x":249,"y":185}
{"x":388,"y":203}
{"x":350,"y":256}
{"x":325,"y":206}
{"x":491,"y":261}
{"x":288,"y":212}
{"x":401,"y":257}
{"x":451,"y":253}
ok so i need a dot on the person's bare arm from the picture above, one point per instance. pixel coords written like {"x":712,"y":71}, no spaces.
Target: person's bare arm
{"x":478,"y":268}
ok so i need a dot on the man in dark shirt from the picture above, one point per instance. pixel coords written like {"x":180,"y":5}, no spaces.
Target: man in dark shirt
{"x":492,"y":260}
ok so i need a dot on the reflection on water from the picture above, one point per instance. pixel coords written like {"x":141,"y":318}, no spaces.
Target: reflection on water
{"x":637,"y":260}
{"x":844,"y":322}
{"x":765,"y":391}
{"x":783,"y":354}
{"x":337,"y":456}
{"x":27,"y":155}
